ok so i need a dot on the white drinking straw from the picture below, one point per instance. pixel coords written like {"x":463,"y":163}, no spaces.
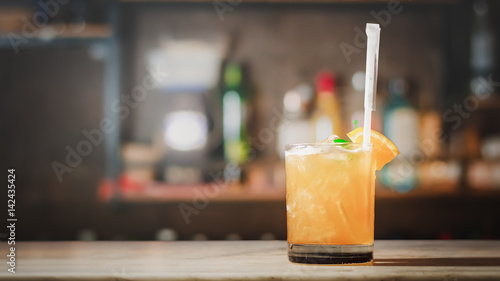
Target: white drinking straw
{"x":373,"y":34}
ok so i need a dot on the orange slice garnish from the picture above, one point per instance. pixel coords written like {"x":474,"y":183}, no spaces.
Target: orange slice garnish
{"x":383,"y":149}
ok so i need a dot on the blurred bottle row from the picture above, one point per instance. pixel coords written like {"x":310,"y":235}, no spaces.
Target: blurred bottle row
{"x":428,"y":160}
{"x":433,"y":157}
{"x":213,"y":133}
{"x":395,"y":117}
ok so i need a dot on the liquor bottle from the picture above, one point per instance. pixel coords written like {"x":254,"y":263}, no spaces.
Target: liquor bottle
{"x":401,"y":119}
{"x":326,"y":117}
{"x":234,"y":115}
{"x":430,"y":122}
{"x":296,"y":127}
{"x":482,"y":56}
{"x":401,"y":126}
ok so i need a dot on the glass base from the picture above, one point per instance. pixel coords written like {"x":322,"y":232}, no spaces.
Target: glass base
{"x":330,"y":254}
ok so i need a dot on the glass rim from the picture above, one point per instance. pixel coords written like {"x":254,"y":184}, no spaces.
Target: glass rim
{"x":322,"y":144}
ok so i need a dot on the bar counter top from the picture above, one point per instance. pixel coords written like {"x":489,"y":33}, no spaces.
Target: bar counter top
{"x":248,"y":260}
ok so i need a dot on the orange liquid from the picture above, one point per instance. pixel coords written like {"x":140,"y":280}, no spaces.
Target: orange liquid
{"x":330,"y":198}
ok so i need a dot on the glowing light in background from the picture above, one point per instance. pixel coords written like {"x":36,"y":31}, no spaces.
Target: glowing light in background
{"x":185,"y":130}
{"x":358,"y":81}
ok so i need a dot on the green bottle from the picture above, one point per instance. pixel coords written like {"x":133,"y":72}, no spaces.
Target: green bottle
{"x":234,"y":115}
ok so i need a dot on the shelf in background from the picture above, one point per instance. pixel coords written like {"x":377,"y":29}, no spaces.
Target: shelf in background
{"x":160,"y":192}
{"x":491,"y":103}
{"x":387,"y":193}
{"x":56,"y":34}
{"x":422,"y":193}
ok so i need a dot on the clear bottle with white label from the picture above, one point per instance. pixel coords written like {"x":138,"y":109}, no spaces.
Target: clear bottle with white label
{"x":296,"y":126}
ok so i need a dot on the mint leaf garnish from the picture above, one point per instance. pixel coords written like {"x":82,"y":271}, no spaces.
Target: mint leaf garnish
{"x":339,"y":141}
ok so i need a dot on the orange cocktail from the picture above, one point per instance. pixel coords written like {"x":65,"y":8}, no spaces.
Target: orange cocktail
{"x":330,"y":202}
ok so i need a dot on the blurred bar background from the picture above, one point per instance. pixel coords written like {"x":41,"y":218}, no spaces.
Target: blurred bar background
{"x":140,"y":120}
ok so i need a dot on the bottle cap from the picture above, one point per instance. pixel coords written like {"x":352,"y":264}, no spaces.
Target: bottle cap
{"x":325,"y":83}
{"x":398,"y":86}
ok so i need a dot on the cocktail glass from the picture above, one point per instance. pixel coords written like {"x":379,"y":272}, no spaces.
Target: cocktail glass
{"x":330,"y":201}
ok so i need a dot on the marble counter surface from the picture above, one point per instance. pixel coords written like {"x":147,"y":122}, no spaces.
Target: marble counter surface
{"x":248,"y":260}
